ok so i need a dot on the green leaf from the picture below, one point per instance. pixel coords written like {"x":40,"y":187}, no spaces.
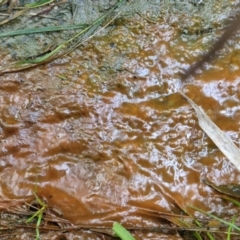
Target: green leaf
{"x":123,"y":233}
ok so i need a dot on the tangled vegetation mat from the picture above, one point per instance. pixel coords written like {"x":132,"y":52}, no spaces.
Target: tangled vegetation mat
{"x":97,"y":124}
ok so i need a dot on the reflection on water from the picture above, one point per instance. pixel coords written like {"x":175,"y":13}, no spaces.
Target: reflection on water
{"x":106,"y":142}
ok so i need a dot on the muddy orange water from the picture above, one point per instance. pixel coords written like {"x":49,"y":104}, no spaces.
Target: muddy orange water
{"x":103,"y":134}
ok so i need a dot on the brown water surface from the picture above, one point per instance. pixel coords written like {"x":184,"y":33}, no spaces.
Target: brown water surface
{"x":114,"y":140}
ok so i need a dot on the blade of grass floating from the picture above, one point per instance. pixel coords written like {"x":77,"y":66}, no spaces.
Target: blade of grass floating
{"x":41,"y":30}
{"x":230,"y":228}
{"x":221,"y":140}
{"x":122,"y":232}
{"x":217,"y":218}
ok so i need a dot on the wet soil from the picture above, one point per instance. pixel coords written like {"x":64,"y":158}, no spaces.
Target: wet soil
{"x":103,"y":135}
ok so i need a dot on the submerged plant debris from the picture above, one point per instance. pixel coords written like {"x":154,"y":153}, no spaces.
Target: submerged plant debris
{"x":101,"y":133}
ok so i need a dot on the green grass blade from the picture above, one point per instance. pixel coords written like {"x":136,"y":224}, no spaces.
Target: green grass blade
{"x":38,"y":214}
{"x":231,"y":200}
{"x":210,"y":236}
{"x":40,"y":30}
{"x":42,"y":58}
{"x":46,"y":57}
{"x":27,"y":63}
{"x":33,"y":216}
{"x":230,"y":228}
{"x":38,"y":225}
{"x":42,"y":204}
{"x":196,"y":234}
{"x":217,"y":218}
{"x":38,"y":4}
{"x":122,"y":232}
